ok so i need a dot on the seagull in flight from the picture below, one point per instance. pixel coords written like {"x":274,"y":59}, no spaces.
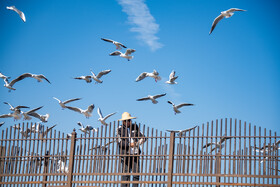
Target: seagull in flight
{"x":124,"y":55}
{"x":86,"y":129}
{"x":103,"y":146}
{"x":101,"y":118}
{"x":227,"y":14}
{"x":117,"y":44}
{"x":44,"y":133}
{"x":176,"y":107}
{"x":99,"y":75}
{"x":62,"y":104}
{"x":180,"y":132}
{"x":26,"y":114}
{"x":43,"y":118}
{"x":3,"y":76}
{"x":15,"y":108}
{"x":152,"y":98}
{"x":218,"y":145}
{"x":86,"y":112}
{"x":87,"y":78}
{"x":20,"y":13}
{"x":37,"y":77}
{"x":172,"y":78}
{"x":154,"y":75}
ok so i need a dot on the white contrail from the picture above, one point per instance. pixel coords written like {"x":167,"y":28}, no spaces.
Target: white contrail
{"x":145,"y":24}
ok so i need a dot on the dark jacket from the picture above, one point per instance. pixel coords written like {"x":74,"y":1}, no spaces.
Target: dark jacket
{"x":128,"y":135}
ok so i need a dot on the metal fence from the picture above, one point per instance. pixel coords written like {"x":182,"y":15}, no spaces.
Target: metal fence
{"x":224,"y":152}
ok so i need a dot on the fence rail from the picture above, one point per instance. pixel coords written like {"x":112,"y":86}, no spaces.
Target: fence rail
{"x":224,"y":152}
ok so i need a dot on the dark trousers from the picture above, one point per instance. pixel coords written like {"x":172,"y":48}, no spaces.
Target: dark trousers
{"x":130,"y":164}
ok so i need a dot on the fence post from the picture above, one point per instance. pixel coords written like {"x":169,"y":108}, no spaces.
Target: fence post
{"x":171,"y":159}
{"x":71,"y":158}
{"x":46,"y":167}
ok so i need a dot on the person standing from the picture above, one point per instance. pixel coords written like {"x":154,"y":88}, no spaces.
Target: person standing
{"x":129,"y":140}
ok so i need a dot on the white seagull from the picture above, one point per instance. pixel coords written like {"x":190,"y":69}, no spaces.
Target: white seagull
{"x":124,"y":55}
{"x":3,"y":76}
{"x":85,"y":129}
{"x":152,"y":98}
{"x":101,"y":118}
{"x":227,"y":14}
{"x":42,"y":133}
{"x":62,"y":104}
{"x":172,"y":78}
{"x":117,"y":44}
{"x":86,"y":112}
{"x":87,"y":78}
{"x":99,"y":75}
{"x":180,"y":132}
{"x":154,"y":75}
{"x":37,"y":77}
{"x":218,"y":145}
{"x":43,"y":118}
{"x":176,"y":107}
{"x":15,"y":108}
{"x":62,"y":167}
{"x":20,"y":13}
{"x":26,"y":114}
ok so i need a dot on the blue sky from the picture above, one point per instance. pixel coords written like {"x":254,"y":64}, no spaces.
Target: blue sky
{"x":233,"y":73}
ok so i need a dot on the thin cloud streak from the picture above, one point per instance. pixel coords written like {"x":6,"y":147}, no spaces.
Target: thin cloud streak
{"x":145,"y":24}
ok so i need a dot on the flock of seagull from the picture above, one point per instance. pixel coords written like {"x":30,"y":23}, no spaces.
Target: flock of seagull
{"x":17,"y":112}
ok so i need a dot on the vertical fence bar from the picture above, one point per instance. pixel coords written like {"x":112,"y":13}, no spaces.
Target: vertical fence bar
{"x":71,"y":158}
{"x":171,"y":159}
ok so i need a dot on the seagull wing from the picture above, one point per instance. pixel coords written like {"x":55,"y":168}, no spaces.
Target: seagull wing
{"x":141,"y":76}
{"x":172,"y":74}
{"x":173,"y":131}
{"x":23,"y":76}
{"x":115,"y":53}
{"x":18,"y":107}
{"x":36,"y":115}
{"x":209,"y":144}
{"x":100,"y":74}
{"x":170,"y":102}
{"x":143,"y":99}
{"x":109,"y":115}
{"x":80,"y":124}
{"x":43,"y":77}
{"x":90,"y":108}
{"x":20,"y":13}
{"x":184,"y":104}
{"x":57,"y":99}
{"x":74,"y":109}
{"x":8,"y":104}
{"x":122,"y":45}
{"x":99,"y":113}
{"x":107,"y":40}
{"x":48,"y":129}
{"x":129,"y":51}
{"x":215,"y":22}
{"x":33,"y":110}
{"x":6,"y":116}
{"x":160,"y":95}
{"x":189,"y":129}
{"x":71,"y":100}
{"x":235,"y":9}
